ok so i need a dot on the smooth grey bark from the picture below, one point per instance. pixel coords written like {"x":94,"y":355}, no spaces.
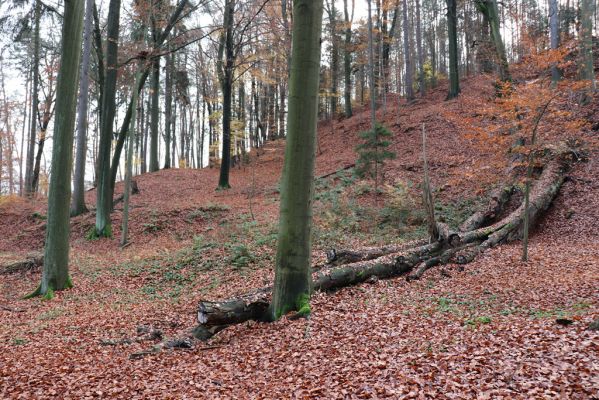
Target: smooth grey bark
{"x":347,"y":59}
{"x":78,"y":201}
{"x":154,"y":115}
{"x":103,"y":226}
{"x":293,"y":273}
{"x":29,"y":188}
{"x":452,"y":35}
{"x":168,"y":108}
{"x":409,"y":85}
{"x":334,"y":57}
{"x":129,"y":164}
{"x":587,"y":71}
{"x":55,"y":274}
{"x":419,"y":50}
{"x":371,"y":70}
{"x":556,"y":74}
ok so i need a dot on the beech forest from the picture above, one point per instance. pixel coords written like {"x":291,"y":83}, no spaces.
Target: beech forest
{"x":299,"y":199}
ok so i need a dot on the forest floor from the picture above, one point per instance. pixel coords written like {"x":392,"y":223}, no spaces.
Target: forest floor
{"x":487,"y":331}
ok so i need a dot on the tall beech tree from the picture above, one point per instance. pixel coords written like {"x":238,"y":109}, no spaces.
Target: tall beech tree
{"x":452,"y":35}
{"x":104,"y":193}
{"x":55,"y":274}
{"x":225,"y":69}
{"x":293,"y":272}
{"x":587,"y":71}
{"x":347,"y":58}
{"x":407,"y":54}
{"x":78,"y":201}
{"x":29,"y":188}
{"x":489,"y":10}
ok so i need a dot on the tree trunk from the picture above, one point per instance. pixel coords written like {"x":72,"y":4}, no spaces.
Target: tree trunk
{"x":55,"y":275}
{"x":419,"y":50}
{"x":334,"y":57}
{"x":129,"y":165}
{"x":168,"y":107}
{"x":29,"y":188}
{"x":454,"y":79}
{"x":371,"y":73}
{"x":489,"y":9}
{"x":226,"y":78}
{"x":155,"y":89}
{"x":104,"y":192}
{"x":78,"y":201}
{"x":556,"y":74}
{"x":292,"y":273}
{"x":407,"y":54}
{"x":587,"y":71}
{"x":347,"y":60}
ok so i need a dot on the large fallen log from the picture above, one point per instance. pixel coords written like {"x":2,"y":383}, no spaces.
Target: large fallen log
{"x":497,"y":201}
{"x":392,"y":261}
{"x":31,"y":262}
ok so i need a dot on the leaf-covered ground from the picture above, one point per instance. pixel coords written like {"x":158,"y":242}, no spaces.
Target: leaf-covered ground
{"x":486,"y":331}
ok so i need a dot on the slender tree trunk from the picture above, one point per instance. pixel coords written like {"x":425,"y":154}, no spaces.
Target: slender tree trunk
{"x":226,"y":75}
{"x":454,"y":79}
{"x":347,"y":60}
{"x":371,"y":70}
{"x":556,"y":74}
{"x":129,"y":164}
{"x":29,"y":188}
{"x":78,"y":200}
{"x":155,"y":84}
{"x":409,"y":85}
{"x":419,"y":50}
{"x":334,"y":57}
{"x":168,"y":107}
{"x":293,"y":275}
{"x":587,"y":71}
{"x":55,"y":275}
{"x":104,"y":191}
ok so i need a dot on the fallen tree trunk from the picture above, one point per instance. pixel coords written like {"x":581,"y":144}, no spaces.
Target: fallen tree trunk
{"x":391,"y":261}
{"x":32,"y":261}
{"x":497,"y":201}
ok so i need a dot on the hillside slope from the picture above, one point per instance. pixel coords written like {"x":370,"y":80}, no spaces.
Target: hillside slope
{"x":486,"y":331}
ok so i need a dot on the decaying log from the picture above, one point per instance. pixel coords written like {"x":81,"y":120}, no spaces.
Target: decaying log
{"x":346,"y":256}
{"x":497,"y":201}
{"x":32,"y":261}
{"x":347,"y":267}
{"x":216,"y":316}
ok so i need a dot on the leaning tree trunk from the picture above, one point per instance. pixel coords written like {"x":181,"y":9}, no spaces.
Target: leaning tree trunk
{"x":78,"y":201}
{"x":55,"y":275}
{"x":350,"y":267}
